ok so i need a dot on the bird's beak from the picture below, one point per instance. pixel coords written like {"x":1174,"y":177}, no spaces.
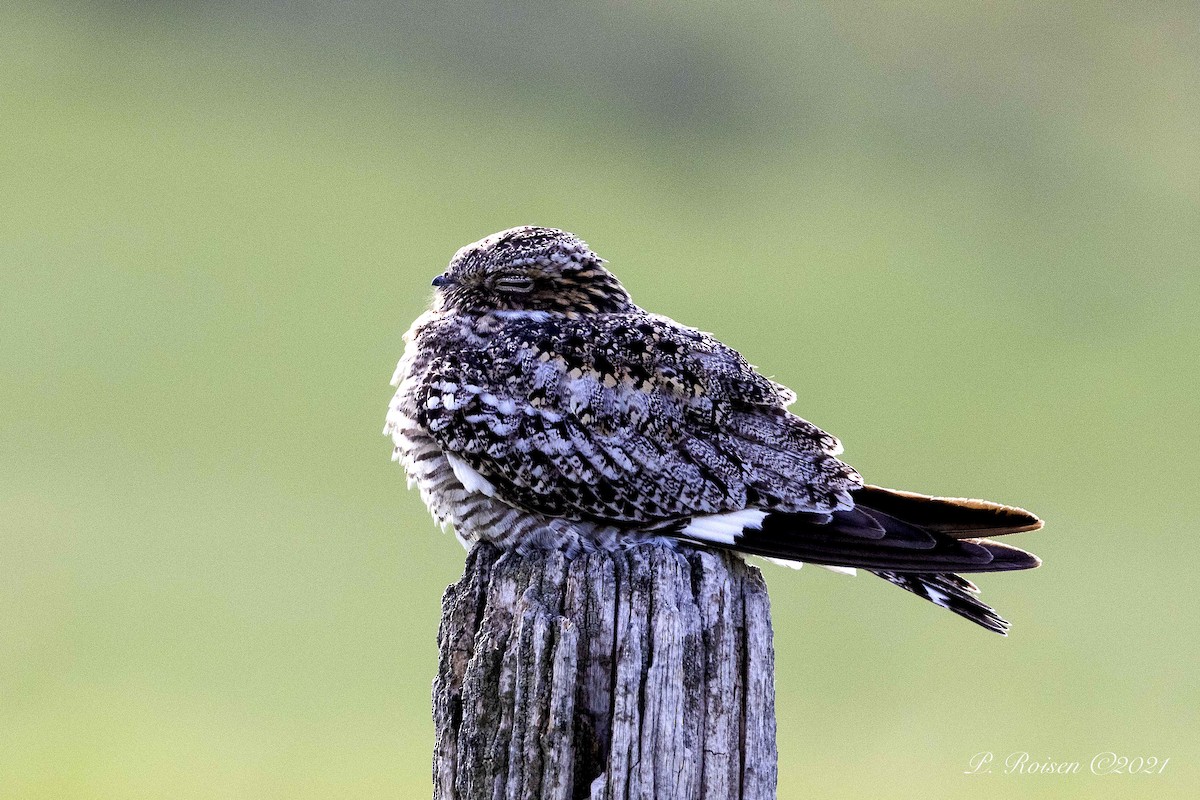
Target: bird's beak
{"x":443,"y":280}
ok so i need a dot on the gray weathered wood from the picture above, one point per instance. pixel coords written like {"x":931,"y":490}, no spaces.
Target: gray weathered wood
{"x":645,"y":673}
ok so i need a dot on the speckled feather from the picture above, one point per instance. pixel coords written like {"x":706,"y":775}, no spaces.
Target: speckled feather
{"x":538,"y":407}
{"x":622,"y":417}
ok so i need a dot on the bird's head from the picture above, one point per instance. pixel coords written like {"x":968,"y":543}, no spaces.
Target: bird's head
{"x":529,"y":269}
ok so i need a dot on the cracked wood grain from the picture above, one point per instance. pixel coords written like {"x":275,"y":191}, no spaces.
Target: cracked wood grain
{"x":642,"y":673}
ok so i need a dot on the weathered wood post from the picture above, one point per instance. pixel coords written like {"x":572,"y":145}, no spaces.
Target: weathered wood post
{"x":644,"y":673}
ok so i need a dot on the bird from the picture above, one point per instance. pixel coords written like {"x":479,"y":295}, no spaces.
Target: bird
{"x":537,"y":407}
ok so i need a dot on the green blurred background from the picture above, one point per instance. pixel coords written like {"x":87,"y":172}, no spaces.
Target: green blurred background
{"x":966,"y":234}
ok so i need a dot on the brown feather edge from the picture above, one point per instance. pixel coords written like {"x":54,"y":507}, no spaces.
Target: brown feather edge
{"x":1032,"y":521}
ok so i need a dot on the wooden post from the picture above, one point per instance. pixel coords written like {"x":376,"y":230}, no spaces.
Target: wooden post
{"x":644,"y":673}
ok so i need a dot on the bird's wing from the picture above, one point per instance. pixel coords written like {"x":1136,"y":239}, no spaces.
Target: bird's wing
{"x":628,"y":418}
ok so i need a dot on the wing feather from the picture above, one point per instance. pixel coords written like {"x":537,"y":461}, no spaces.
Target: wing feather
{"x":629,"y":418}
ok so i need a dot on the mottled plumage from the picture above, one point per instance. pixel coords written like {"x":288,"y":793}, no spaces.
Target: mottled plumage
{"x":538,"y":407}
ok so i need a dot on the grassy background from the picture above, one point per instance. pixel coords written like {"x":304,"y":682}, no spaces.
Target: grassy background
{"x":965,"y":234}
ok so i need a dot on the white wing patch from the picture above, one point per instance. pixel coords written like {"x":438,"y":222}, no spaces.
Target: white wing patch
{"x":723,"y":528}
{"x":727,"y":529}
{"x":469,"y":477}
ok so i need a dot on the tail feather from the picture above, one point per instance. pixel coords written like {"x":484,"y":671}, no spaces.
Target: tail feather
{"x":959,"y":517}
{"x":914,"y":541}
{"x":904,"y":548}
{"x":951,"y":592}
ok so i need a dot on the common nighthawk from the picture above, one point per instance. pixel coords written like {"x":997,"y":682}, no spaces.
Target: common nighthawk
{"x":539,"y":408}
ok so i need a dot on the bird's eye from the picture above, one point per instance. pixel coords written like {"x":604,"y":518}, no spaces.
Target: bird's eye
{"x":514,"y":283}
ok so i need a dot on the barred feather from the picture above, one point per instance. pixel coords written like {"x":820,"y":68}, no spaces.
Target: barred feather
{"x":538,"y":407}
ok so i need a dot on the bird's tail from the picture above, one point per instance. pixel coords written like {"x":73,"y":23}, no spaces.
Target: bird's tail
{"x":959,"y":517}
{"x":914,"y":541}
{"x":952,"y":592}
